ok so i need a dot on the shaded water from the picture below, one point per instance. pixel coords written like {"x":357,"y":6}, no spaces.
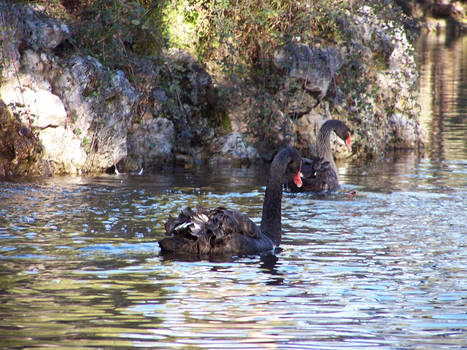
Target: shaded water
{"x":79,"y":266}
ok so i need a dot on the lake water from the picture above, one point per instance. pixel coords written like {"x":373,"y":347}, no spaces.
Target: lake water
{"x":386,"y":269}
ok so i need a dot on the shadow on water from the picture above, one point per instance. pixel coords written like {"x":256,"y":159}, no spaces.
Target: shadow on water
{"x":386,"y":268}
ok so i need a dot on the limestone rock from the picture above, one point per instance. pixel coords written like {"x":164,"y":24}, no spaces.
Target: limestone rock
{"x":44,"y":112}
{"x":45,"y":109}
{"x":315,"y":67}
{"x":101,"y":106}
{"x":150,"y":145}
{"x":233,"y":147}
{"x":406,"y":132}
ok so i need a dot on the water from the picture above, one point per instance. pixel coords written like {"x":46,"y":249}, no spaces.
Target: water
{"x":386,"y":269}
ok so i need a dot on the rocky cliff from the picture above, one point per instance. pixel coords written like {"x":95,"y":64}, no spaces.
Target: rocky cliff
{"x":64,"y":111}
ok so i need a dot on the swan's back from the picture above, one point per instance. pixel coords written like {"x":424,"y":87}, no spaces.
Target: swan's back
{"x":219,"y":231}
{"x":318,"y":176}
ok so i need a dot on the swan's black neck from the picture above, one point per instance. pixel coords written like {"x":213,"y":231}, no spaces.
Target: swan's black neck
{"x":323,"y":145}
{"x":271,"y":224}
{"x":271,"y":219}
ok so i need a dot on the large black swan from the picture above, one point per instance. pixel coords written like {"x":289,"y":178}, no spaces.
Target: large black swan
{"x":220,"y":231}
{"x":320,"y":173}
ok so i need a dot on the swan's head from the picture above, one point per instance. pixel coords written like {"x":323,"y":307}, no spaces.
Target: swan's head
{"x":293,"y":162}
{"x":344,"y":132}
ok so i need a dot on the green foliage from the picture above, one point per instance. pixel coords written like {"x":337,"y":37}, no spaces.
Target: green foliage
{"x":225,"y":122}
{"x":185,"y":24}
{"x":241,"y":35}
{"x":112,"y":30}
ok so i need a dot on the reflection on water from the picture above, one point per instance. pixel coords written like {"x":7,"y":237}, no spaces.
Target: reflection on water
{"x":386,"y":268}
{"x":443,"y":64}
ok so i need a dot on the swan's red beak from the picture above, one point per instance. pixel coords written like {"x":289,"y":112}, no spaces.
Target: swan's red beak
{"x":297,"y":179}
{"x":347,"y":143}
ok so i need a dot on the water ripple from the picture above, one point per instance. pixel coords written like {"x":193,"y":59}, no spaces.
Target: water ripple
{"x":383,"y":268}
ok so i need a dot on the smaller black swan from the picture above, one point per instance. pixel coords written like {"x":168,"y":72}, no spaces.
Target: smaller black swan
{"x":320,"y":173}
{"x":221,"y":232}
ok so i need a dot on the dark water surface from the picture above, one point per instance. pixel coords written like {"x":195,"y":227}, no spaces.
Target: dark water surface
{"x":387,"y":268}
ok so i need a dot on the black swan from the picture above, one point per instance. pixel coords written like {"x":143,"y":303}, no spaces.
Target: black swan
{"x":320,"y":173}
{"x":220,"y":231}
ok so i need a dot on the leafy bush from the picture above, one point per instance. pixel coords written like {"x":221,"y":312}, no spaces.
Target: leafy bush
{"x":112,"y":29}
{"x":241,"y":35}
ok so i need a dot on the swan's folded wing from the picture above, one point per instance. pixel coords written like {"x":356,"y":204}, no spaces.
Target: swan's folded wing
{"x":188,"y":223}
{"x":187,"y":232}
{"x":201,"y":231}
{"x":311,"y":167}
{"x":226,"y":222}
